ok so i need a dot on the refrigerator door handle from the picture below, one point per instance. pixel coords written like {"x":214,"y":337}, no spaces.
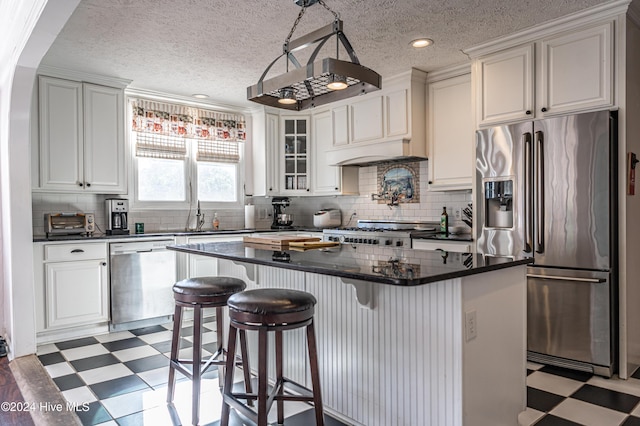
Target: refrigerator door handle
{"x":539,"y":210}
{"x":528,"y":195}
{"x":561,"y":278}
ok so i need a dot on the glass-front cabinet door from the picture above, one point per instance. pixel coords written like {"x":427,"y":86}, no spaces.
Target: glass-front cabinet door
{"x":295,"y":151}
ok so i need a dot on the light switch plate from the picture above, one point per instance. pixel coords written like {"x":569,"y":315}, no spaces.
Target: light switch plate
{"x":470,"y":325}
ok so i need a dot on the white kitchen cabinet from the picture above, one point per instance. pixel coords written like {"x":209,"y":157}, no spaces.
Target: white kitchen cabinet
{"x":294,"y":148}
{"x":572,"y":72}
{"x":81,"y":137}
{"x":450,"y":137}
{"x":266,"y":133}
{"x":380,"y":125}
{"x":325,"y":178}
{"x":72,"y":288}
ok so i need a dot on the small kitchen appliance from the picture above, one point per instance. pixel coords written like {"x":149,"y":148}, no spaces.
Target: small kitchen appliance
{"x":327,"y":218}
{"x":547,"y":189}
{"x":69,"y":224}
{"x":117,"y":211}
{"x":281,"y":220}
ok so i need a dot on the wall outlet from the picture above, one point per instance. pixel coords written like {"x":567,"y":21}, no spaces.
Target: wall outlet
{"x":456,"y":213}
{"x":470,"y":325}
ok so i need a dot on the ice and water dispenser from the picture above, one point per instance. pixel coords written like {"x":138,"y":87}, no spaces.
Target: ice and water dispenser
{"x":498,"y":204}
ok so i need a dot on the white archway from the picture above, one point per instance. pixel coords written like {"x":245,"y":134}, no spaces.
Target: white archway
{"x":31,"y":26}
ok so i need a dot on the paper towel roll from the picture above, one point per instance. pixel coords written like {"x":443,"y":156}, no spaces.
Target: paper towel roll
{"x":249,"y":216}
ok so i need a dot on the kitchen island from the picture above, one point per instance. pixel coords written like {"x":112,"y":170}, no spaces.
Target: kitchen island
{"x":405,"y":337}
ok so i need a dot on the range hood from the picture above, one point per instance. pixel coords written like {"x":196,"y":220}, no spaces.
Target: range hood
{"x":368,"y":154}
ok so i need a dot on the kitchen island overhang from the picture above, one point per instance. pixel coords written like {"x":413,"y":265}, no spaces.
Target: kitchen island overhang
{"x":424,"y":353}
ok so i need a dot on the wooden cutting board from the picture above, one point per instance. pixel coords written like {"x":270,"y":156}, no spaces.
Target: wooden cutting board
{"x":276,"y":240}
{"x":313,"y":244}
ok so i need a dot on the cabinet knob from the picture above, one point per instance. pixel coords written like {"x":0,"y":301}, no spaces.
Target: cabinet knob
{"x":81,"y":185}
{"x":270,"y":189}
{"x":307,"y":189}
{"x":88,"y":184}
{"x":430,"y":182}
{"x":528,"y":112}
{"x":543,"y":109}
{"x":104,"y":263}
{"x":336,"y":188}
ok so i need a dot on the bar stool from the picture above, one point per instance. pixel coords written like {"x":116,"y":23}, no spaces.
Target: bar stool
{"x":199,"y":293}
{"x":264,"y":311}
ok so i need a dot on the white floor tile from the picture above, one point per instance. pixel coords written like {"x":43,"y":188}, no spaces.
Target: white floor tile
{"x":59,"y":369}
{"x":111,"y":337}
{"x":84,"y":352}
{"x":534,"y":365}
{"x":160,"y":416}
{"x":103,"y":374}
{"x":636,"y":411}
{"x":552,"y":383}
{"x":133,"y":402}
{"x":153,"y":338}
{"x":135,"y":353}
{"x":587,"y":414}
{"x":207,"y":337}
{"x":79,"y":395}
{"x":630,"y":386}
{"x":158,"y":376}
{"x":109,"y":423}
{"x":46,"y":349}
{"x":529,"y":417}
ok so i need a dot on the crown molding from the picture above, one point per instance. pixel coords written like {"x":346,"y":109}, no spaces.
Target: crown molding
{"x":634,"y":12}
{"x":568,"y":22}
{"x":67,"y":74}
{"x":449,"y":72}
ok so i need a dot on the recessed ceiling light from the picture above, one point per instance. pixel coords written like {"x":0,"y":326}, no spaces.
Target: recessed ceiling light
{"x":200,"y":96}
{"x":421,"y":42}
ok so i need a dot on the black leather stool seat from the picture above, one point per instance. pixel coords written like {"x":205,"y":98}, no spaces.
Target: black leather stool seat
{"x":207,"y":290}
{"x":271,"y":305}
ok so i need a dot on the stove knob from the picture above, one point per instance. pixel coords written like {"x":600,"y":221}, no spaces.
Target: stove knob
{"x":360,"y":240}
{"x":387,"y":242}
{"x":342,"y":239}
{"x":399,"y":243}
{"x":376,"y":241}
{"x":369,"y":241}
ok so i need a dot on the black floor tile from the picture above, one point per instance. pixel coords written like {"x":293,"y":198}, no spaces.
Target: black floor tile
{"x":165,"y":347}
{"x":308,"y":417}
{"x":186,"y":331}
{"x":565,"y":372}
{"x":636,"y":374}
{"x":118,"y":345}
{"x":138,"y":419}
{"x":52,"y":358}
{"x":92,"y":362}
{"x":210,"y":347}
{"x":631,"y":421}
{"x":530,"y":371}
{"x":148,"y":363}
{"x":211,"y":318}
{"x":76,"y":343}
{"x":618,"y":401}
{"x":551,"y":420}
{"x":96,"y":414}
{"x":147,"y":330}
{"x":70,"y":381}
{"x":541,"y":400}
{"x":119,"y":386}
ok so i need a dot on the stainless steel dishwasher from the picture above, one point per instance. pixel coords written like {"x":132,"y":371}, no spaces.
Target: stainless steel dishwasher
{"x":142,"y":275}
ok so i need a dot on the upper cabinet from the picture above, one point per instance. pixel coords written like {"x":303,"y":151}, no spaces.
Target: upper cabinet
{"x":450,"y":133}
{"x":557,"y":74}
{"x":294,"y":149}
{"x":81,"y":137}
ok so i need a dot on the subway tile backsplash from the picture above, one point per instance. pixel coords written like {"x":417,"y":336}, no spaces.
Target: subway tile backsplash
{"x":428,"y":209}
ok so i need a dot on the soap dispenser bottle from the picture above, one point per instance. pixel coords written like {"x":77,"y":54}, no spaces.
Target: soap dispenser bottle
{"x":216,"y":221}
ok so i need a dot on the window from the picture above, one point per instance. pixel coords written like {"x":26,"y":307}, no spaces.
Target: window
{"x":182,"y":154}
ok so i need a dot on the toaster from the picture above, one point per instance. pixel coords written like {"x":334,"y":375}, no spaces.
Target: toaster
{"x":69,"y":223}
{"x":327,"y":218}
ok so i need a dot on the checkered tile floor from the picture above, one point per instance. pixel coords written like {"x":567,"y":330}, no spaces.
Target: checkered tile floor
{"x":561,"y":397}
{"x":123,"y":378}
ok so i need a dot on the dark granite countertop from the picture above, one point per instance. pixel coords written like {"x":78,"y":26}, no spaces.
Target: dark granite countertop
{"x":395,"y":266}
{"x":98,"y":237}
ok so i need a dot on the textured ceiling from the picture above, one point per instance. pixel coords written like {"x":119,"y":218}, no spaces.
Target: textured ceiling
{"x":219,"y":47}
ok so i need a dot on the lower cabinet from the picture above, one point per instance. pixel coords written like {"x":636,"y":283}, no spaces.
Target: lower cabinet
{"x":445,"y":246}
{"x":72,"y":287}
{"x":205,"y":266}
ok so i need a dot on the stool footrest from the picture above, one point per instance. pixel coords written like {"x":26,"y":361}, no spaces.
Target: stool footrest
{"x":234,"y":398}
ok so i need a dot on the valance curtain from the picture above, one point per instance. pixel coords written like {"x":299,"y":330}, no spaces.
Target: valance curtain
{"x":162,"y":130}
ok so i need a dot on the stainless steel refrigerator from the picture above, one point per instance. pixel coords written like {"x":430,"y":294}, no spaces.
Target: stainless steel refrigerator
{"x":547,"y":189}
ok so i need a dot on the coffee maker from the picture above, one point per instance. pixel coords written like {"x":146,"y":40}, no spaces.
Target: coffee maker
{"x":281,"y":220}
{"x":117,"y":210}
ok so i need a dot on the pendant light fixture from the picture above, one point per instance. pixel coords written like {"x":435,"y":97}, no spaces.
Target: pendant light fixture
{"x":318,"y":82}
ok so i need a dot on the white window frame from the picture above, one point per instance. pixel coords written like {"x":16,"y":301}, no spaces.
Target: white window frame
{"x":191,"y":177}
